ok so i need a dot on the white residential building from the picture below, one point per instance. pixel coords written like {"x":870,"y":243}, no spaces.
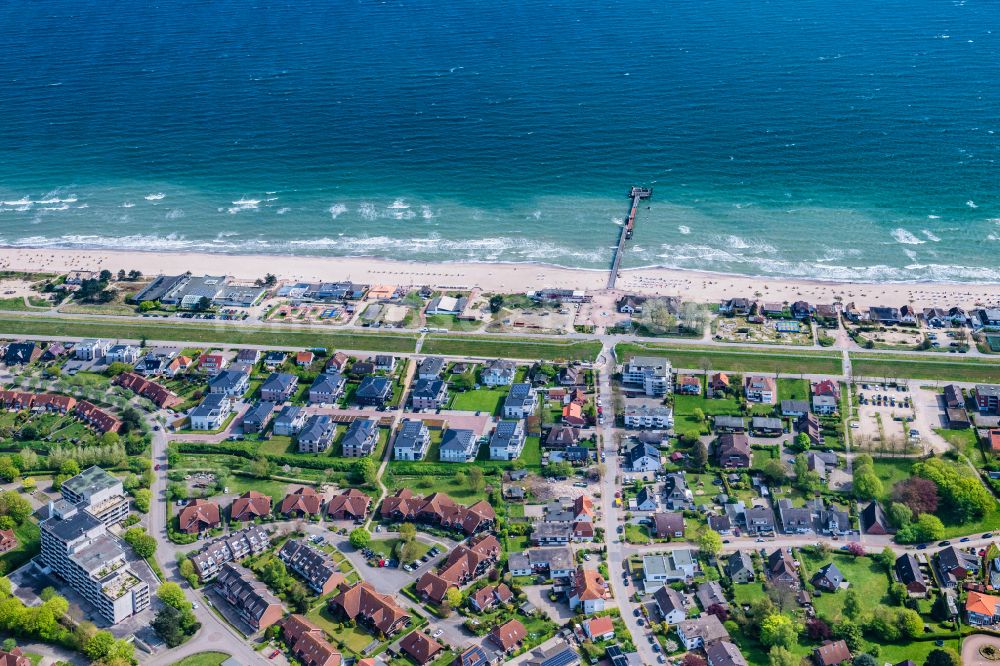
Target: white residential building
{"x":646,"y":416}
{"x":649,"y":372}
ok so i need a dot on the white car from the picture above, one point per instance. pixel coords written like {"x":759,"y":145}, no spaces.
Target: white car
{"x":437,"y":633}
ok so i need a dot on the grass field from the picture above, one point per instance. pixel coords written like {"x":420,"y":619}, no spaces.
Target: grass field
{"x":478,"y":400}
{"x":964,"y":441}
{"x":15,"y":304}
{"x":739,"y":359}
{"x":522,"y":348}
{"x":29,"y":544}
{"x":354,"y":639}
{"x":891,"y":472}
{"x":203,"y":659}
{"x":864,"y":575}
{"x":684,"y":406}
{"x":917,"y":367}
{"x":425,"y":485}
{"x":80,"y":327}
{"x":452,"y":323}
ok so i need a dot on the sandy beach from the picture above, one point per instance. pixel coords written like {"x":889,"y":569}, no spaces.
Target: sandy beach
{"x":505,"y":278}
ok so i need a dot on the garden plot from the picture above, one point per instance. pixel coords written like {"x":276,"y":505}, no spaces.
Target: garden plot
{"x":773,"y":331}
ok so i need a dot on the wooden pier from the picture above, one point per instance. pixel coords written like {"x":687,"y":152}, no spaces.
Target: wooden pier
{"x":636,"y":194}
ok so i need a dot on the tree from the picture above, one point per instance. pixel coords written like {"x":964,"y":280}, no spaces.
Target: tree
{"x":261,"y":467}
{"x":802,"y":442}
{"x":28,"y":484}
{"x":204,"y":303}
{"x":15,"y":506}
{"x":496,"y":303}
{"x":407,"y":531}
{"x":656,"y":317}
{"x":476,"y":479}
{"x":69,"y":467}
{"x":692,"y":659}
{"x":172,"y":595}
{"x":943,"y":657}
{"x":99,"y":645}
{"x":910,"y":623}
{"x":851,"y":634}
{"x":29,"y":459}
{"x":852,"y":604}
{"x":817,"y":630}
{"x":709,"y":541}
{"x":360,"y":538}
{"x":855,"y":549}
{"x":143,"y":497}
{"x":960,"y":488}
{"x":167,"y":624}
{"x":773,"y":470}
{"x":143,"y":544}
{"x":146,"y":306}
{"x":778,"y":629}
{"x":779,"y":656}
{"x":867,"y":485}
{"x":365,"y":470}
{"x":864,"y":660}
{"x":899,"y":514}
{"x":454,"y":597}
{"x":700,"y":454}
{"x":8,"y":471}
{"x":917,"y":494}
{"x":117,"y":368}
{"x":928,"y":528}
{"x":887,"y":559}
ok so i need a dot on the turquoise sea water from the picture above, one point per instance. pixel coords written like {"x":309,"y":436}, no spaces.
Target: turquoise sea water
{"x":844,"y":140}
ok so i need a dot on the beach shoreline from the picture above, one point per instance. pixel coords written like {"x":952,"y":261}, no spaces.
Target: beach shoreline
{"x":703,"y":287}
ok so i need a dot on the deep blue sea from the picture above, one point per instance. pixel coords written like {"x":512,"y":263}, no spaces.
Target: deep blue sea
{"x":844,"y":140}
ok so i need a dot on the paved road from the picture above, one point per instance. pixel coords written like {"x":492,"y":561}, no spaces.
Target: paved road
{"x":214,"y":634}
{"x":617,"y":551}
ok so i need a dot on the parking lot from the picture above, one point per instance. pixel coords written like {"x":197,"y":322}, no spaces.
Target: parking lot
{"x":888,"y":406}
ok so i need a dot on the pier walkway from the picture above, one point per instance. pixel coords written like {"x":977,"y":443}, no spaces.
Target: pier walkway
{"x":637,"y":194}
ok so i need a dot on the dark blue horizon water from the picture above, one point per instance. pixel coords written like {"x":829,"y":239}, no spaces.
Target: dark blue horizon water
{"x":847,"y":140}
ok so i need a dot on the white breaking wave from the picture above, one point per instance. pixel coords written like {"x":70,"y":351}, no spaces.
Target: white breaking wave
{"x":971,"y":204}
{"x":23,"y":201}
{"x":57,"y":208}
{"x":128,"y":204}
{"x":282,"y":211}
{"x":367,"y":211}
{"x":684,"y":229}
{"x":175,"y":214}
{"x":931,"y":236}
{"x":426,"y":213}
{"x":905,"y":237}
{"x":933,"y":217}
{"x":243,"y":201}
{"x":157,"y":196}
{"x":336,"y":210}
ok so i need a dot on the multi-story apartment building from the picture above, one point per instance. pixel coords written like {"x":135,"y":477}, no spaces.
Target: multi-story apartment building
{"x":77,"y":547}
{"x":649,"y":372}
{"x":100,"y":493}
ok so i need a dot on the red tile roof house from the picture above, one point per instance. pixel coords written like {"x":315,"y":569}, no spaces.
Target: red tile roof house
{"x":14,"y":658}
{"x":831,"y":653}
{"x":199,"y":515}
{"x":420,"y":647}
{"x":351,"y":504}
{"x":304,"y":358}
{"x":96,"y":418}
{"x":438,"y":509}
{"x":487,"y":597}
{"x":212,"y":364}
{"x":304,"y":501}
{"x":8,"y":540}
{"x":464,"y":564}
{"x":378,"y":612}
{"x":250,"y":505}
{"x":308,"y":643}
{"x":338,"y":362}
{"x":761,"y":389}
{"x":159,"y":395}
{"x":599,"y":628}
{"x":508,"y":636}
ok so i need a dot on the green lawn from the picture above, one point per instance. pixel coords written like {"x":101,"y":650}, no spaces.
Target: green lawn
{"x":425,"y":485}
{"x":452,"y":323}
{"x":277,"y":336}
{"x":747,"y":593}
{"x":637,"y":534}
{"x":275,"y":489}
{"x":964,"y":441}
{"x":511,"y":347}
{"x":28,"y":545}
{"x":479,"y":400}
{"x":891,"y":471}
{"x":684,"y":406}
{"x":354,"y":639}
{"x":865,"y":576}
{"x":793,"y":389}
{"x":920,"y":367}
{"x":738,"y":359}
{"x":13,"y":304}
{"x":386,"y":547}
{"x":203,"y":659}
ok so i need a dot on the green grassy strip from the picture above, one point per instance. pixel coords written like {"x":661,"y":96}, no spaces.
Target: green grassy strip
{"x":742,"y":359}
{"x":911,"y":367}
{"x":519,"y":348}
{"x":197,"y":333}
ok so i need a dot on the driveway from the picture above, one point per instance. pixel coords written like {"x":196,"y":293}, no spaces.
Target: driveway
{"x":557,"y":611}
{"x":970,"y":649}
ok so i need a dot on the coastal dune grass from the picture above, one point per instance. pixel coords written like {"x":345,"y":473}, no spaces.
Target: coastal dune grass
{"x":922,"y":367}
{"x":738,"y":359}
{"x":81,"y":327}
{"x":511,"y":347}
